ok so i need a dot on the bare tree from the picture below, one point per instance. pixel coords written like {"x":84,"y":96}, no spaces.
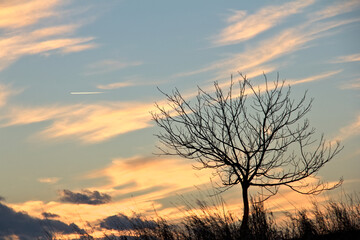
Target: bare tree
{"x":252,"y":136}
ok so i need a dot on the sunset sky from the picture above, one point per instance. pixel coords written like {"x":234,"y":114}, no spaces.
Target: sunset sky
{"x":79,"y":78}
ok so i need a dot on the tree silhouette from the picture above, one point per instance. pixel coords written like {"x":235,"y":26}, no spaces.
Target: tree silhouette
{"x":252,"y":136}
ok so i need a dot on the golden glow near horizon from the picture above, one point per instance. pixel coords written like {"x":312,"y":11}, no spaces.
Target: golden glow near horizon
{"x":78,"y":80}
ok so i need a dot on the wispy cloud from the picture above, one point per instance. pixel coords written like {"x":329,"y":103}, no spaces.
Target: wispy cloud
{"x":115,"y":85}
{"x":109,"y":65}
{"x":286,"y":42}
{"x":90,"y":123}
{"x":264,"y":53}
{"x":78,"y":47}
{"x":355,"y":84}
{"x":95,"y":123}
{"x":22,"y":36}
{"x":17,"y":14}
{"x":151,"y":171}
{"x":349,"y":131}
{"x":148,"y":174}
{"x":245,"y":27}
{"x":143,"y":181}
{"x":38,"y":41}
{"x":347,"y":58}
{"x":50,"y":180}
{"x":7,"y":91}
{"x":334,"y":10}
{"x":314,"y":77}
{"x":131,"y":81}
{"x":270,"y":84}
{"x":293,"y":82}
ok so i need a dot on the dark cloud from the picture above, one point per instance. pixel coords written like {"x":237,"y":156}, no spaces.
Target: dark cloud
{"x":123,"y":222}
{"x":85,"y":197}
{"x":49,"y":215}
{"x":27,"y":227}
{"x":2,"y":199}
{"x":79,"y":230}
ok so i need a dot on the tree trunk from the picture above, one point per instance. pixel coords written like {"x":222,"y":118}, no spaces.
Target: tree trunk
{"x":244,"y":229}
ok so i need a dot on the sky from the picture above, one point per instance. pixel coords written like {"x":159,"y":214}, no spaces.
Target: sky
{"x":78,"y":80}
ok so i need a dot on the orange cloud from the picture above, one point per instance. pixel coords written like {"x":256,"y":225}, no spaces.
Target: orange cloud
{"x":115,"y":85}
{"x":22,"y":115}
{"x":355,"y":84}
{"x":131,"y":81}
{"x":270,"y":85}
{"x":50,"y":180}
{"x":349,"y":131}
{"x":348,"y":58}
{"x":143,"y":180}
{"x":78,"y":47}
{"x":246,"y":27}
{"x":334,"y":10}
{"x":288,"y":41}
{"x":5,"y":92}
{"x":313,"y":78}
{"x":146,"y":172}
{"x":26,"y":41}
{"x":265,"y":51}
{"x":16,"y":14}
{"x":142,"y":197}
{"x":89,"y":123}
{"x":135,"y":185}
{"x":36,"y":42}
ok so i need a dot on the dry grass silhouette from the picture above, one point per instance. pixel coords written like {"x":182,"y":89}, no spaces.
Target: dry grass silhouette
{"x":329,"y":220}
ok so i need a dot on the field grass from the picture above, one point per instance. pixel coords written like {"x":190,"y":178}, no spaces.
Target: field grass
{"x":330,"y":220}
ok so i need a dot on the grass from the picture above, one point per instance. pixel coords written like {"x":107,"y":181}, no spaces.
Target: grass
{"x":331,"y":220}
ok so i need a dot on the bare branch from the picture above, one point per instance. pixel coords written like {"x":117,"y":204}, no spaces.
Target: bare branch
{"x":253,"y":136}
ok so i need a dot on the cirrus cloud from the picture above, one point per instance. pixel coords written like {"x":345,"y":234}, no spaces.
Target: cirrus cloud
{"x":90,"y":123}
{"x":348,"y":58}
{"x":349,"y":131}
{"x":16,"y":14}
{"x":22,"y":36}
{"x":7,"y":91}
{"x":334,"y":10}
{"x":114,"y":85}
{"x":50,"y":180}
{"x":245,"y":27}
{"x":352,"y":85}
